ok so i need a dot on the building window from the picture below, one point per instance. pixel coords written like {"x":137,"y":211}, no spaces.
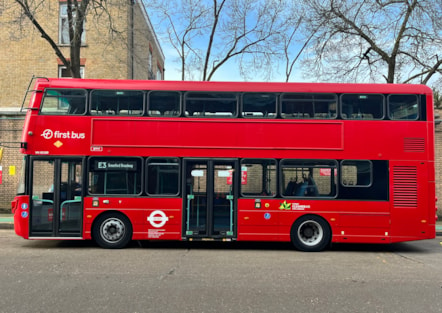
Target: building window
{"x":149,"y":61}
{"x":64,"y":26}
{"x":64,"y":73}
{"x":159,"y":74}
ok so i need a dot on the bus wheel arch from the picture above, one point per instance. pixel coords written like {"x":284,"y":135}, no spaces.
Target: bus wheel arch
{"x":112,"y":230}
{"x":311,"y":233}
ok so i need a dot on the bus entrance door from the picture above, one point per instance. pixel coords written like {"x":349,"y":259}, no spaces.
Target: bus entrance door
{"x":210,"y":203}
{"x":56,"y":206}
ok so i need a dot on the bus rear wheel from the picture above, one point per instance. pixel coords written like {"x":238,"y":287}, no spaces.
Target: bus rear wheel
{"x":112,"y":231}
{"x":310,"y":233}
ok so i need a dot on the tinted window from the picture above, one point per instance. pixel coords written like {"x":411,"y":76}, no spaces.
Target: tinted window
{"x":309,"y":105}
{"x":211,"y":104}
{"x":163,"y":176}
{"x":362,"y":106}
{"x":308,"y":178}
{"x":258,"y":177}
{"x":403,"y":107}
{"x":110,"y":176}
{"x":259,"y":105}
{"x":64,"y":101}
{"x":164,"y":103}
{"x":116,"y":102}
{"x":356,"y":173}
{"x":364,"y":180}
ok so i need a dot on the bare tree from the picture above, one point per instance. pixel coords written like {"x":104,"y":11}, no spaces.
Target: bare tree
{"x":72,"y":28}
{"x":185,"y":21}
{"x":76,"y":12}
{"x":208,"y":34}
{"x":398,"y":40}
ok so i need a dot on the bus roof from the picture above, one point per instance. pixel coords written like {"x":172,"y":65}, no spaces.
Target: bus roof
{"x":212,"y":86}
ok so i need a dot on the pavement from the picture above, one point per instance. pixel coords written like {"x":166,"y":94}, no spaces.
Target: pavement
{"x":7,"y":222}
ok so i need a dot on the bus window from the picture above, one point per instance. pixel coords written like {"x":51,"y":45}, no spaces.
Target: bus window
{"x":115,"y":176}
{"x":164,"y":103}
{"x":64,"y":101}
{"x":308,"y":178}
{"x":309,"y":106}
{"x":356,"y":173}
{"x":362,"y":107}
{"x":163,"y":176}
{"x":364,"y":180}
{"x":403,"y":107}
{"x":116,"y":102}
{"x":258,"y":178}
{"x":211,"y":104}
{"x":259,"y":105}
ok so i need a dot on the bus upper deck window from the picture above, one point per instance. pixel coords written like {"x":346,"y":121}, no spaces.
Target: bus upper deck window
{"x":259,"y":105}
{"x":64,"y":101}
{"x":362,"y":106}
{"x":211,"y":104}
{"x":403,"y":107}
{"x":117,"y":102}
{"x":309,"y":106}
{"x":164,"y":103}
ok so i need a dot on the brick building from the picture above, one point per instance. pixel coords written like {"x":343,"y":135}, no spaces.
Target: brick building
{"x":117,"y":44}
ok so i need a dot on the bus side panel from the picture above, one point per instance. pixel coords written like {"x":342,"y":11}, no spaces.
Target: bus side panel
{"x":350,"y":221}
{"x":20,"y":209}
{"x":151,"y":218}
{"x":431,"y":199}
{"x":170,"y":133}
{"x":412,"y":201}
{"x":362,"y":228}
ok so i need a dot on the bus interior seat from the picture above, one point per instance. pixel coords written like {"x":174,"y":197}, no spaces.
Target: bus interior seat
{"x":290,"y":190}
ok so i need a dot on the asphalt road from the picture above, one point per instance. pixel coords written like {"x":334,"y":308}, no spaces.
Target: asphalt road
{"x":77,"y":276}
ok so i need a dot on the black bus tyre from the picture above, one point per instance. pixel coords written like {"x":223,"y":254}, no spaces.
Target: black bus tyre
{"x":310,"y":233}
{"x":112,"y":230}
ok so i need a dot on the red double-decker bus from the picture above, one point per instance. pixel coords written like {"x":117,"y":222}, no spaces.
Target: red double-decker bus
{"x":314,"y":164}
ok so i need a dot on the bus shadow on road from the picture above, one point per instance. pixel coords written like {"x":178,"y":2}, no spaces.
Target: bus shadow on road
{"x":409,"y":247}
{"x":402,"y":247}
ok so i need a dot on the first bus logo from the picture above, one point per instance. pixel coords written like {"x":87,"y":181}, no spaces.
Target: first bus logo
{"x":49,"y":134}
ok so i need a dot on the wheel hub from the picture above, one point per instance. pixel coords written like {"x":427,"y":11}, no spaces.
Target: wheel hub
{"x":112,"y":230}
{"x":310,"y":233}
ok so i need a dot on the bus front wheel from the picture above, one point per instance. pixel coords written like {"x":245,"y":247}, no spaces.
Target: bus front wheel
{"x":112,"y":230}
{"x":310,"y":233}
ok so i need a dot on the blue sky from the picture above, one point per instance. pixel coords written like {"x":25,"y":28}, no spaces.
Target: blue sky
{"x":227,"y":72}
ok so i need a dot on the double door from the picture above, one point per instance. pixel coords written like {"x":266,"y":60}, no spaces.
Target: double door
{"x":210,"y":198}
{"x":56,"y":194}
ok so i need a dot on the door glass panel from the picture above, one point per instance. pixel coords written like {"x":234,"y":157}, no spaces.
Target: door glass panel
{"x":70,"y":197}
{"x":222,"y":199}
{"x":197,"y":199}
{"x":210,"y":199}
{"x":42,"y":196}
{"x":56,"y":208}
